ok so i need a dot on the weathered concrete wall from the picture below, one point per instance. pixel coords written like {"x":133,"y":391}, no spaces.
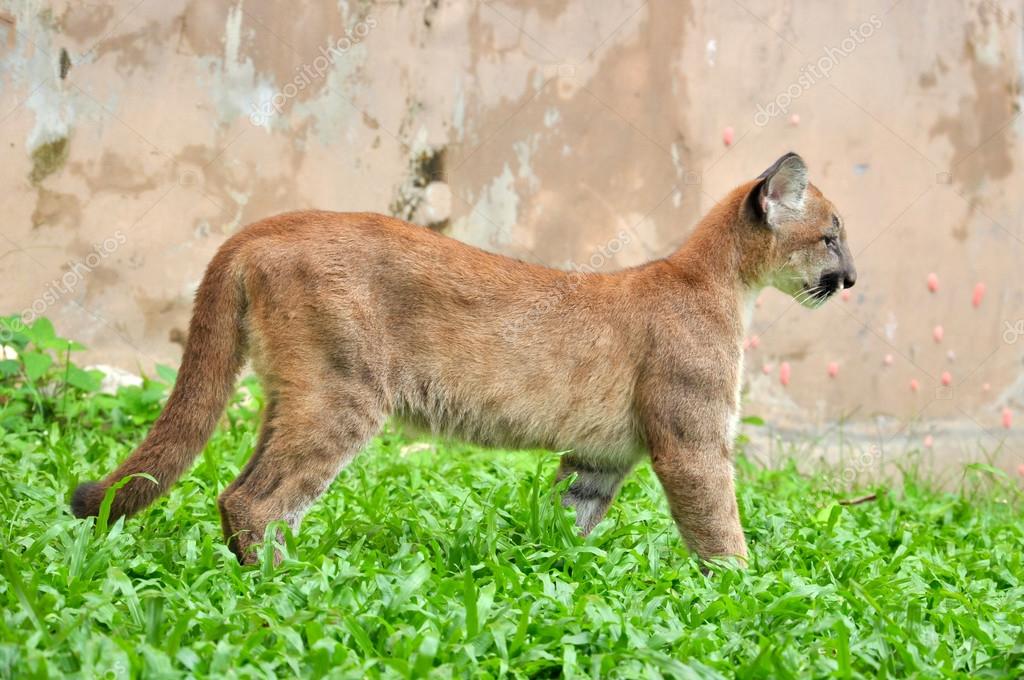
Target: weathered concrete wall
{"x":138,"y":136}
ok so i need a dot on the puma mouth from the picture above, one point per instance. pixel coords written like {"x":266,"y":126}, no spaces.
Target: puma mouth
{"x":821,"y":294}
{"x":816,"y":295}
{"x":828,"y":285}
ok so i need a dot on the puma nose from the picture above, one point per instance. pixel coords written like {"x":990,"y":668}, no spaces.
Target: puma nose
{"x":849,"y":278}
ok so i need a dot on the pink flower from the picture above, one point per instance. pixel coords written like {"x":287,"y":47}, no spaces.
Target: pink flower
{"x":784,"y":373}
{"x":979,"y":293}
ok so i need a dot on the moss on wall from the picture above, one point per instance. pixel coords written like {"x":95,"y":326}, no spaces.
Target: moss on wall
{"x":48,"y":158}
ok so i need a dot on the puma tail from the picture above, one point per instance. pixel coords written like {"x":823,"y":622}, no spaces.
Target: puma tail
{"x":214,"y":354}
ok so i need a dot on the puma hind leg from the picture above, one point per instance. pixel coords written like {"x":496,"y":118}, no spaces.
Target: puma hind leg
{"x":592,"y":490}
{"x":309,"y":435}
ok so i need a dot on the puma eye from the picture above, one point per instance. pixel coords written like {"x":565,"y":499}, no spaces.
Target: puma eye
{"x":829,"y":240}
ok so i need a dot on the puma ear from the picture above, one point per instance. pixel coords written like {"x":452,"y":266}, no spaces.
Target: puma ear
{"x":779,"y":195}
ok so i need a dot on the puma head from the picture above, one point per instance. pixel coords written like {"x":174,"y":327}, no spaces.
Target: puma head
{"x":808,"y":256}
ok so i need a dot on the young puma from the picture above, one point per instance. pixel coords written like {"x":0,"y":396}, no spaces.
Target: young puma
{"x":351,"y":318}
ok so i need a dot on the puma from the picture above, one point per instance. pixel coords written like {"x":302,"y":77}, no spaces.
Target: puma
{"x":350,"y":318}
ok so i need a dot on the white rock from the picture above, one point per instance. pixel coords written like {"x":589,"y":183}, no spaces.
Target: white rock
{"x":114,"y":377}
{"x":437,"y":203}
{"x":418,"y":447}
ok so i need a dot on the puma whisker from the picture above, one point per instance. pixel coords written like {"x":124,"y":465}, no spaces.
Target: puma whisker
{"x":352,"y":318}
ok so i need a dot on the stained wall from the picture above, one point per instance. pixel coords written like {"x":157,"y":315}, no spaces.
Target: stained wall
{"x":138,"y":136}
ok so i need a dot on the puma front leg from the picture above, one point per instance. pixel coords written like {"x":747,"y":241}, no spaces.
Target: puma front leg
{"x":702,"y":498}
{"x":689,"y":417}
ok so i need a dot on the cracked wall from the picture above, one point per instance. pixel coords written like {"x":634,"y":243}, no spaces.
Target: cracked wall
{"x":541,"y":130}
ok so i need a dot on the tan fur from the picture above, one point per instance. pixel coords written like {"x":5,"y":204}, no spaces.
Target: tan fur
{"x":352,"y":318}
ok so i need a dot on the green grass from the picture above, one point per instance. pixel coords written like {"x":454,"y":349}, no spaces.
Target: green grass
{"x":455,"y":562}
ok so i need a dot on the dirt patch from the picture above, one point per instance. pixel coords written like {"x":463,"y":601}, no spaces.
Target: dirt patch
{"x":54,"y":208}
